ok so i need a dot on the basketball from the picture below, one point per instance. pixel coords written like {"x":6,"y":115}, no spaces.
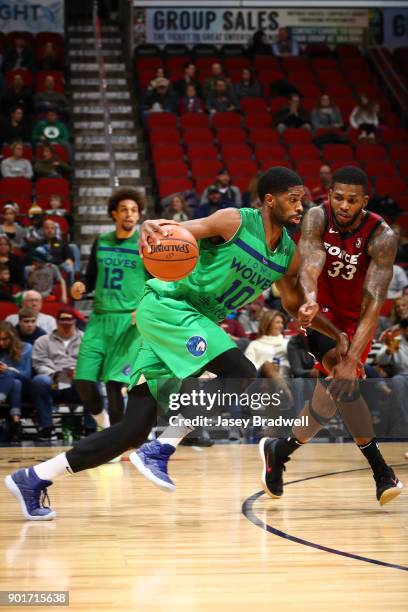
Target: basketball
{"x":175,"y":257}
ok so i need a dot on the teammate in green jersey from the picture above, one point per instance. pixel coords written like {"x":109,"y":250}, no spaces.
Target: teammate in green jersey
{"x":117,"y":275}
{"x":264,"y":244}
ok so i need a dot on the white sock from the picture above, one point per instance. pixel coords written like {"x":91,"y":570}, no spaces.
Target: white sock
{"x":173,"y":435}
{"x":51,"y":469}
{"x":102,"y":419}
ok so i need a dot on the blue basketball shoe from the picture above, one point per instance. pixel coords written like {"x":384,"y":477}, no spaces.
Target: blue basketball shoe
{"x":151,"y":460}
{"x":31,"y":492}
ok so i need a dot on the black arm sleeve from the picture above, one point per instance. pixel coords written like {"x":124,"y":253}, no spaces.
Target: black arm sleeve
{"x":89,"y":279}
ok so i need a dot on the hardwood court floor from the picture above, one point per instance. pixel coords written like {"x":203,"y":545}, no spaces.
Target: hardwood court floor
{"x":118,"y":543}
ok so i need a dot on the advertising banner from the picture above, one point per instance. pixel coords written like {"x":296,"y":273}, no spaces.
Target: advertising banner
{"x":20,"y":15}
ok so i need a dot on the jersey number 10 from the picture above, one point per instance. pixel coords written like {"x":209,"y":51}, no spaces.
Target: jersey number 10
{"x":234,"y":299}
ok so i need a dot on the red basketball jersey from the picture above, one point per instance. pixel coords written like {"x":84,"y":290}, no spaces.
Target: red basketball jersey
{"x":341,"y":281}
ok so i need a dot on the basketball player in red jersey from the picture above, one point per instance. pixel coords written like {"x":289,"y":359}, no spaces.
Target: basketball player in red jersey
{"x":347,"y":254}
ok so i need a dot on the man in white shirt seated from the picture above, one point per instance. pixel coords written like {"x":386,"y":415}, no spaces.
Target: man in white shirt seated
{"x":32,"y":299}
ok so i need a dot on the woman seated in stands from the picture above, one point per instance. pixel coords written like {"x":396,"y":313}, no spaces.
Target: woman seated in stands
{"x":15,"y":371}
{"x":10,"y":226}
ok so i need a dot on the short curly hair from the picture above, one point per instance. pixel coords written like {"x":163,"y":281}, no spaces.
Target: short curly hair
{"x":125,"y":193}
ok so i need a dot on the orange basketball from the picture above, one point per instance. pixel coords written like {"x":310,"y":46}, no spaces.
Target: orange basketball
{"x":175,"y":257}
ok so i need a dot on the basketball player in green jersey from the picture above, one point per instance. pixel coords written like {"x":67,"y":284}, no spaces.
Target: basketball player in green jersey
{"x":178,"y":324}
{"x":117,"y":275}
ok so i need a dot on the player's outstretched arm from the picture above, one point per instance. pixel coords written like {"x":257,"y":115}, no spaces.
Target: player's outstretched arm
{"x":223,"y":223}
{"x":312,"y":259}
{"x":382,"y":250}
{"x":292,"y":297}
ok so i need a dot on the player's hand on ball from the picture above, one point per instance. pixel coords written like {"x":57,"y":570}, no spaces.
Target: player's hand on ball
{"x":77,"y":290}
{"x":307,"y":313}
{"x":152,"y":230}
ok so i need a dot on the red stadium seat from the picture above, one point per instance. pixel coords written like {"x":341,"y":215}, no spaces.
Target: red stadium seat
{"x":376,"y":168}
{"x":242,"y":152}
{"x":266,"y":62}
{"x":52,"y":186}
{"x":26,"y":75}
{"x":12,"y":37}
{"x":264,"y":136}
{"x":310,"y":89}
{"x":337,"y":90}
{"x":391,"y":120}
{"x":403,"y":168}
{"x":325,"y":63}
{"x":253,"y":105}
{"x":309,"y":168}
{"x":164,"y":152}
{"x":298,"y":62}
{"x":171,"y":169}
{"x":60,"y":150}
{"x":278,"y":103}
{"x":53,"y":37}
{"x":301,"y":77}
{"x":205,"y":167}
{"x":7,"y":308}
{"x":226,"y":120}
{"x":164,"y":136}
{"x":144,"y":77}
{"x":242,"y":168}
{"x":258,"y":120}
{"x":270,"y":151}
{"x":202,"y":151}
{"x":325,"y":76}
{"x":266,"y":77}
{"x":399,"y":152}
{"x":16,"y":188}
{"x":198,"y":136}
{"x":392,"y":186}
{"x":305,"y":152}
{"x":205,"y":63}
{"x":347,"y":51}
{"x":231,"y":136}
{"x":61,"y":221}
{"x":242,"y":182}
{"x":236,"y":63}
{"x":297,"y":136}
{"x":148,"y":63}
{"x":161,"y":120}
{"x":202,"y":183}
{"x":269,"y":162}
{"x":391,"y":135}
{"x":338,"y":152}
{"x":167,"y":186}
{"x":365,"y":152}
{"x":177,"y":62}
{"x":193,"y":120}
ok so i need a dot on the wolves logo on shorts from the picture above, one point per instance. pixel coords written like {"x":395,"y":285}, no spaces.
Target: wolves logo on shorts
{"x":197,"y":346}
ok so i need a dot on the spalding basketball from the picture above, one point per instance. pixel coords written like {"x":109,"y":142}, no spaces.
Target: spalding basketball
{"x":175,"y":257}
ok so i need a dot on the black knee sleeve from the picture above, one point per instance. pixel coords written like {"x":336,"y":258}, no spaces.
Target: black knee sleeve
{"x":318,"y":417}
{"x":232,"y":364}
{"x":89,"y":395}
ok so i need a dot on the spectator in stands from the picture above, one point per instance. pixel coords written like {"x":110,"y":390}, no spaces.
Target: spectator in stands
{"x":189,"y":78}
{"x":34,"y":234}
{"x":230,"y":194}
{"x":234,"y":329}
{"x":271,"y":345}
{"x":161,"y":98}
{"x":364,"y":117}
{"x":18,"y":57}
{"x":51,"y":130}
{"x":301,"y":363}
{"x":54,"y":359}
{"x":398,"y":282}
{"x":49,"y":59}
{"x":292,"y":116}
{"x":320,"y":193}
{"x":260,"y":44}
{"x":8,"y":292}
{"x":32,"y":299}
{"x":160,"y":74}
{"x":13,"y":261}
{"x":16,"y":165}
{"x":216,"y":73}
{"x":221,"y":99}
{"x":191,"y":103}
{"x":50,"y":165}
{"x":402,"y":254}
{"x":59,"y":253}
{"x":250,"y":316}
{"x":176,"y":210}
{"x":57,"y":209}
{"x":16,"y":127}
{"x":18,"y":95}
{"x":27,"y":327}
{"x":326,"y":114}
{"x":248,"y":87}
{"x":49,"y":98}
{"x":211,"y":204}
{"x":43,"y":276}
{"x":285,"y":46}
{"x":394,"y":356}
{"x":15,"y":371}
{"x":10,"y":227}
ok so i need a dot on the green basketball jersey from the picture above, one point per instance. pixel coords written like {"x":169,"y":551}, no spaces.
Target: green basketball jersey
{"x":229,"y":275}
{"x":121,"y":274}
